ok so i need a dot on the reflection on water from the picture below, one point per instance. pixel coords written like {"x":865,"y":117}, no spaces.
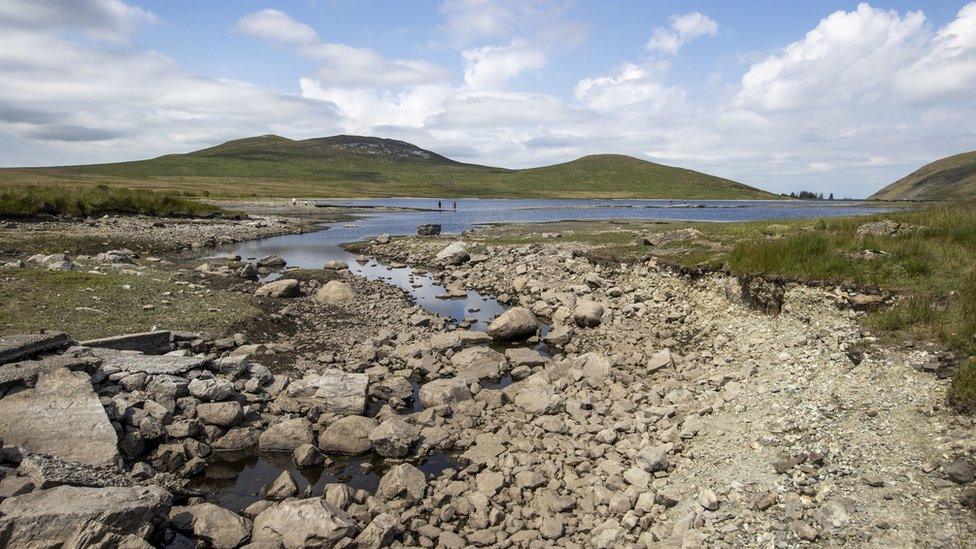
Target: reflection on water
{"x":235,"y":480}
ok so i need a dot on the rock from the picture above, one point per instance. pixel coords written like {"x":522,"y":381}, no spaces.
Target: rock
{"x":302,"y":523}
{"x":334,"y":292}
{"x":70,"y":516}
{"x":453,"y":254}
{"x":960,"y":471}
{"x":60,"y":416}
{"x":596,"y":369}
{"x":383,"y":239}
{"x":154,"y":365}
{"x":217,"y":527}
{"x":660,"y":359}
{"x":559,"y":335}
{"x":444,"y":391}
{"x":403,"y":481}
{"x":332,"y":390}
{"x":307,"y":455}
{"x":16,"y":347}
{"x":708,"y":500}
{"x":803,"y":530}
{"x":286,"y":436}
{"x":11,"y":486}
{"x":116,"y":256}
{"x":237,"y":439}
{"x":430,"y":229}
{"x":381,"y":530}
{"x":281,"y":487}
{"x":477,"y":363}
{"x":537,"y":395}
{"x":394,"y":438}
{"x":514,"y":324}
{"x":347,"y":435}
{"x":677,"y":235}
{"x":588,"y":314}
{"x":222,"y":414}
{"x":211,"y":388}
{"x":279,"y":289}
{"x":144,"y":342}
{"x":523,"y":356}
{"x":654,"y":458}
{"x":271,"y":261}
{"x":885,"y":227}
{"x":335,"y":265}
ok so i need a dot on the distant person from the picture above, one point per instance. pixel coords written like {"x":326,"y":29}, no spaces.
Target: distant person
{"x":294,"y":201}
{"x":454,"y":204}
{"x":438,"y":204}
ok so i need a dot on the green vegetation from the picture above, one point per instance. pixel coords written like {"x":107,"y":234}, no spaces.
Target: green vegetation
{"x":346,"y":166}
{"x":90,"y":200}
{"x":950,"y":178}
{"x":89,"y":305}
{"x":962,"y":392}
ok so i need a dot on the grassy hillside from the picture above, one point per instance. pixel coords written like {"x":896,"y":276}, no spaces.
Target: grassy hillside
{"x":350,"y":166}
{"x":951,"y":178}
{"x":92,"y":200}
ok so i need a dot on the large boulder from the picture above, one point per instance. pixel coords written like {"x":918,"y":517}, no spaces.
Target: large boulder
{"x":442,"y":391}
{"x":429,"y":229}
{"x":476,"y":363}
{"x":61,"y":416}
{"x":538,"y":396}
{"x":588,"y":314}
{"x":216,"y":526}
{"x":71,"y":516}
{"x":334,"y":292}
{"x":221,"y":414}
{"x":380,"y":532}
{"x":403,"y":481}
{"x":286,"y":436}
{"x":453,"y":254}
{"x":347,"y":435}
{"x":332,"y":390}
{"x":394,"y":438}
{"x":515,"y":323}
{"x":279,"y":288}
{"x":302,"y":523}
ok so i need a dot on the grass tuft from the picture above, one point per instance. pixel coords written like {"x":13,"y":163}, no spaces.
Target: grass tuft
{"x":962,"y":391}
{"x":86,"y":201}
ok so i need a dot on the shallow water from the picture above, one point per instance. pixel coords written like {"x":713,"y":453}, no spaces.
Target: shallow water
{"x":235,"y":480}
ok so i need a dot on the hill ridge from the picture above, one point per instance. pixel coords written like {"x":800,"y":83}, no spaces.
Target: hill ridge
{"x":950,"y":178}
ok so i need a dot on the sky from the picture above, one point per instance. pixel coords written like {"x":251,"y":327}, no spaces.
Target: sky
{"x":834,"y":97}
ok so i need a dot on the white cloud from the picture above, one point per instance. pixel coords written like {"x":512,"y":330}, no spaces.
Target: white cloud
{"x":631,"y":83}
{"x":684,"y":28}
{"x":479,"y":22}
{"x":341,"y":65}
{"x":948,"y":69}
{"x":107,"y":19}
{"x":493,"y":67}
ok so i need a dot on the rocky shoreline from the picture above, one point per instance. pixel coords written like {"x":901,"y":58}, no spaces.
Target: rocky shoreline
{"x":611,"y":405}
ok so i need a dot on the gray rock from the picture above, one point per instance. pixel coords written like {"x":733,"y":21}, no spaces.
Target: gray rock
{"x":654,"y":458}
{"x":588,"y":314}
{"x":60,"y":416}
{"x":334,"y":292}
{"x":403,"y":481}
{"x":281,"y":488}
{"x":307,"y":455}
{"x":271,"y":261}
{"x":302,"y":523}
{"x":335,"y":265}
{"x":537,"y":395}
{"x":514,"y":324}
{"x":222,"y":414}
{"x":237,"y":439}
{"x":286,"y":436}
{"x":430,"y":229}
{"x":381,"y":530}
{"x":347,"y":435}
{"x":211,"y":388}
{"x":523,"y":356}
{"x":285,"y":288}
{"x":394,"y":438}
{"x":151,"y":364}
{"x":476,"y":363}
{"x":453,"y":254}
{"x":444,"y":391}
{"x":216,"y":526}
{"x":144,"y":342}
{"x":70,"y":516}
{"x":16,"y":347}
{"x":332,"y":390}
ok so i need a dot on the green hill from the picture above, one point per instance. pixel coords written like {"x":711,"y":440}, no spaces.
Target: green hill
{"x":951,"y":178}
{"x":353,"y":166}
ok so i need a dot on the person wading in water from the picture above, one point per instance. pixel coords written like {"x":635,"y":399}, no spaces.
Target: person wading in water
{"x":455,"y":205}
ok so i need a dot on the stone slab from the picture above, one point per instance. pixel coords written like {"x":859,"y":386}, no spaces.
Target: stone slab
{"x":150,"y":343}
{"x":131,"y":362}
{"x":16,"y":347}
{"x":60,"y":416}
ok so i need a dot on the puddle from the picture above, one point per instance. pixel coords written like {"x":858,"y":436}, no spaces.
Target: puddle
{"x":235,"y":480}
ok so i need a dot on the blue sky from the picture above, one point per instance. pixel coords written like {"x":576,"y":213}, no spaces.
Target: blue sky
{"x":832,"y":96}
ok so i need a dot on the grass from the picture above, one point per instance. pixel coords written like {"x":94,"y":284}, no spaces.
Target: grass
{"x":87,"y":305}
{"x":950,"y":178}
{"x":278,"y":167}
{"x":94,"y":200}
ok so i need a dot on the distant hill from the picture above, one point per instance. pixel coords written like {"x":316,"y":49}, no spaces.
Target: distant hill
{"x":355,"y":166}
{"x":951,"y":178}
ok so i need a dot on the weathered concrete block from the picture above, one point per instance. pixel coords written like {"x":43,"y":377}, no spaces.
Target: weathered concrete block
{"x":150,"y":343}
